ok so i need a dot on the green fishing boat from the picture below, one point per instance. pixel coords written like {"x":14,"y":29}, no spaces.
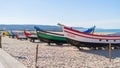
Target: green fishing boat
{"x":50,"y":37}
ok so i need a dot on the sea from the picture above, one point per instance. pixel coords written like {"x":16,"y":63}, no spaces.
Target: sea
{"x":108,"y":30}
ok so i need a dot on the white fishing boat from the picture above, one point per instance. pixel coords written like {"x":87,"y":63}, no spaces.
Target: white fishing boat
{"x":81,"y":39}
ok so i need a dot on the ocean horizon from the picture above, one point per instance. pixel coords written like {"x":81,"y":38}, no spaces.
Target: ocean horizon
{"x":107,"y":30}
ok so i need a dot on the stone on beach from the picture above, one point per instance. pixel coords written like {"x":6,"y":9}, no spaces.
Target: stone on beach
{"x":59,"y":56}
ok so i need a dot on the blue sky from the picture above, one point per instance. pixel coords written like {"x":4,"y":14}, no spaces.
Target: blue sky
{"x":80,"y":13}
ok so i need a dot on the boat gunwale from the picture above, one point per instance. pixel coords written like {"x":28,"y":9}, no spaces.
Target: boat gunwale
{"x":88,"y":34}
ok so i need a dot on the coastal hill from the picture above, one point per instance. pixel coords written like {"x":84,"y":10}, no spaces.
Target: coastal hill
{"x":9,"y":27}
{"x":31,"y":27}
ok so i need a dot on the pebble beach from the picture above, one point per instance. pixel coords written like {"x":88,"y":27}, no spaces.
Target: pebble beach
{"x":56,"y":56}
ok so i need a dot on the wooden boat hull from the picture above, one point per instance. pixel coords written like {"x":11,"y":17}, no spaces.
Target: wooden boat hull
{"x":21,"y":37}
{"x":87,"y":44}
{"x":12,"y":34}
{"x":33,"y":38}
{"x":80,"y":39}
{"x":51,"y":38}
{"x":30,"y":36}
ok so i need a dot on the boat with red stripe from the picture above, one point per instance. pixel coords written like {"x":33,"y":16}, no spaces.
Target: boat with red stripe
{"x":81,"y":39}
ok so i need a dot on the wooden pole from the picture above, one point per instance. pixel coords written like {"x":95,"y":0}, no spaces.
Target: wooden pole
{"x":0,"y":42}
{"x":110,"y":52}
{"x":36,"y":58}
